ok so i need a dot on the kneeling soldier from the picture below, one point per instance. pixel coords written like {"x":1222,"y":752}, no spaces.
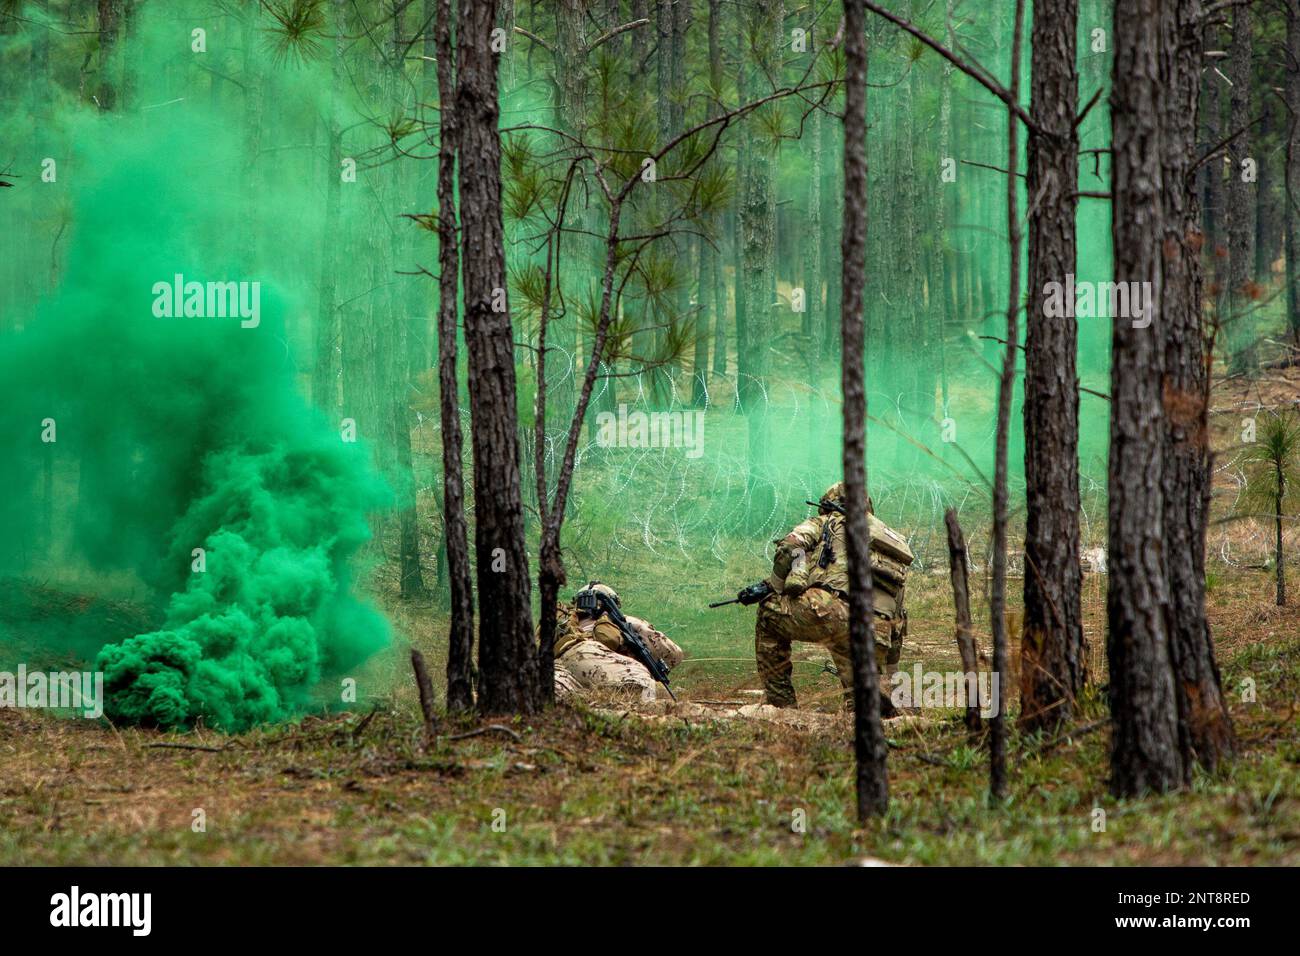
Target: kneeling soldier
{"x":809,"y":600}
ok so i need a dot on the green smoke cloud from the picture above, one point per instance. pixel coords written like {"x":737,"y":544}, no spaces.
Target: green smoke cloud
{"x":247,"y":639}
{"x":181,"y":433}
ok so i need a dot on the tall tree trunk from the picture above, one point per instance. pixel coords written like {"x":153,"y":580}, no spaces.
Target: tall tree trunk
{"x":1266,"y":231}
{"x":815,"y":317}
{"x":872,"y":780}
{"x":402,"y":320}
{"x":707,"y":299}
{"x":640,"y":11}
{"x":1243,"y":348}
{"x":758,"y":259}
{"x":551,"y":575}
{"x":681,"y":21}
{"x":570,"y":54}
{"x":507,"y":656}
{"x":718,"y":289}
{"x":108,"y":24}
{"x":252,"y":79}
{"x":40,"y":63}
{"x":830,"y":245}
{"x":944,"y":272}
{"x":1052,"y":659}
{"x":460,"y":646}
{"x":720,"y":309}
{"x":1215,"y":216}
{"x":998,"y":599}
{"x":130,"y":55}
{"x":917,"y":380}
{"x":1291,"y":187}
{"x":1205,"y":730}
{"x":1145,"y":751}
{"x":744,"y":383}
{"x":324,"y":383}
{"x":704,"y":291}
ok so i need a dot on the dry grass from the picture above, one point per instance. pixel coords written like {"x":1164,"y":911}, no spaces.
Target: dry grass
{"x":686,"y":786}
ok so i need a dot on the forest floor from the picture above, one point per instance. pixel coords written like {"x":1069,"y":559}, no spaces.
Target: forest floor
{"x":599,"y":784}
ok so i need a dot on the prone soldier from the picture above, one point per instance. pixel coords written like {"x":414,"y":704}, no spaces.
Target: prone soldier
{"x":596,"y":646}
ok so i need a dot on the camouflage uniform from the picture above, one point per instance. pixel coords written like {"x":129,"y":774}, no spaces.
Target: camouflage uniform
{"x":590,"y":653}
{"x":810,"y":602}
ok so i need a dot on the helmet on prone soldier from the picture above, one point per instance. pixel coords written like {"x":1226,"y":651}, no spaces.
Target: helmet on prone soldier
{"x":604,"y":589}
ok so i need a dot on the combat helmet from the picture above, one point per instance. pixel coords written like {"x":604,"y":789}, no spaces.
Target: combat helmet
{"x":604,"y":589}
{"x":834,"y":495}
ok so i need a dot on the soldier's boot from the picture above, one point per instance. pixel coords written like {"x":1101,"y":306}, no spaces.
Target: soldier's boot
{"x":844,"y":668}
{"x":772,"y":655}
{"x":887,"y":708}
{"x":889,"y":648}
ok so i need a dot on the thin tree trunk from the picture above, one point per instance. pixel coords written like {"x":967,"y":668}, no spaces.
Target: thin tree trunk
{"x":460,"y":694}
{"x":998,"y":599}
{"x":40,"y":63}
{"x":744,"y":384}
{"x":1292,"y":183}
{"x":324,"y":385}
{"x":130,"y":55}
{"x":253,"y":80}
{"x":708,"y":251}
{"x":944,"y":272}
{"x":551,"y":573}
{"x":570,"y":97}
{"x":1216,"y":214}
{"x":108,"y":24}
{"x":1266,"y":231}
{"x":758,"y":259}
{"x":704,"y":288}
{"x":872,"y":782}
{"x":830,"y":246}
{"x":640,"y":11}
{"x":815,"y":316}
{"x":720,"y":310}
{"x":400,"y":322}
{"x":1052,"y":659}
{"x":1243,"y":348}
{"x":917,"y":381}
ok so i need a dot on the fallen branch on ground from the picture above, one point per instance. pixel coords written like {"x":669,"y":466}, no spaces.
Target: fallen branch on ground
{"x":483,"y":730}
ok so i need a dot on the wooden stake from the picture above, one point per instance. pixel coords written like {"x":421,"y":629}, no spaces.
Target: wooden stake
{"x":961,"y":601}
{"x":425,"y":686}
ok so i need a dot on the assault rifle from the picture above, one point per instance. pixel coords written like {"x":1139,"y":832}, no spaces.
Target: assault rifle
{"x":591,"y":602}
{"x":828,"y":552}
{"x":749,"y":595}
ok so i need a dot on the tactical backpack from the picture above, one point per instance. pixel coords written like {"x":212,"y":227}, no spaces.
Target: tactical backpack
{"x":890,"y":559}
